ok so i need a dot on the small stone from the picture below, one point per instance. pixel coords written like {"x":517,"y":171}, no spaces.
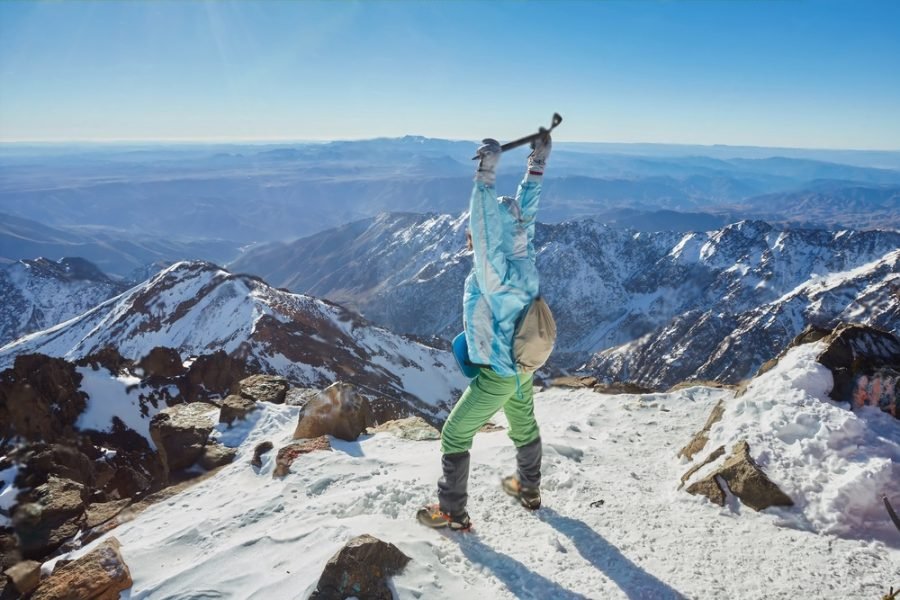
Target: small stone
{"x":236,"y":407}
{"x":25,"y":575}
{"x":261,"y":448}
{"x":217,"y":455}
{"x":287,"y":455}
{"x":410,"y":428}
{"x":360,"y":569}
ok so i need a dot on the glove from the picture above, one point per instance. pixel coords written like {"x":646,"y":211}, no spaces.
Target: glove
{"x":540,"y":151}
{"x":489,"y":153}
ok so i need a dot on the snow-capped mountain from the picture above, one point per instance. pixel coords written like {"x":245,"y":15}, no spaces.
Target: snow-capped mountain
{"x":40,"y":293}
{"x":199,"y":308}
{"x":610,"y":287}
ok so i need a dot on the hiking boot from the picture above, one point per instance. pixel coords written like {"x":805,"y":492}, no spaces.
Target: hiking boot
{"x":528,"y":497}
{"x":432,"y":516}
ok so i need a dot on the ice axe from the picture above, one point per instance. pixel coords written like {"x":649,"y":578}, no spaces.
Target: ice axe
{"x":529,"y":138}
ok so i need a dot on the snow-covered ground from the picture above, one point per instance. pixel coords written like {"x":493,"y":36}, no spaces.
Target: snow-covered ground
{"x":243,"y":534}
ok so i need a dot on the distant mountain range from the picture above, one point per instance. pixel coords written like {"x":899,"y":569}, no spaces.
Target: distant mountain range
{"x":198,"y":308}
{"x":619,"y":292}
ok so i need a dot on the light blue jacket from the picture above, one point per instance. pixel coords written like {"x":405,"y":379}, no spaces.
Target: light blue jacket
{"x":504,"y":278}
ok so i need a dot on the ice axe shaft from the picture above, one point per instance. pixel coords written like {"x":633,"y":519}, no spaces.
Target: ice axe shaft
{"x":529,"y":138}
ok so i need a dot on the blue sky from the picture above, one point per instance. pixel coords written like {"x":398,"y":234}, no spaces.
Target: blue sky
{"x":805,"y":73}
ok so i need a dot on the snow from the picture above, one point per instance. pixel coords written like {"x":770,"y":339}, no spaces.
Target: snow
{"x":244,"y":534}
{"x":113,"y":396}
{"x":835,"y":464}
{"x":8,"y":493}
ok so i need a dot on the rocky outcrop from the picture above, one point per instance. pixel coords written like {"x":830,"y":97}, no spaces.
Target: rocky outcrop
{"x":744,"y":479}
{"x":181,"y":433}
{"x":339,"y":410}
{"x":214,"y":374}
{"x":264,"y":388}
{"x":162,"y":362}
{"x":49,"y":515}
{"x":698,"y":442}
{"x":410,"y":428}
{"x":360,"y":569}
{"x":99,"y":575}
{"x":25,"y":576}
{"x":235,"y":408}
{"x":865,"y":363}
{"x":40,"y":399}
{"x":287,"y":455}
{"x":108,"y":358}
{"x":574,"y":381}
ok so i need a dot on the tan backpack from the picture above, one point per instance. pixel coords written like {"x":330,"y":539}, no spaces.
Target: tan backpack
{"x":534,"y":337}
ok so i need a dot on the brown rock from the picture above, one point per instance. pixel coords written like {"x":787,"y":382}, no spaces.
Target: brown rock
{"x":698,"y":442}
{"x":287,"y":455}
{"x":10,"y":552}
{"x":98,"y":575}
{"x":865,"y":363}
{"x":360,"y":569}
{"x":410,"y":428}
{"x":108,"y":358}
{"x":264,"y":388}
{"x":214,"y":375}
{"x":339,"y":410}
{"x":25,"y":575}
{"x":217,"y":455}
{"x":65,"y":461}
{"x":745,"y":480}
{"x":300,"y":396}
{"x":621,"y":387}
{"x":40,"y":399}
{"x":235,"y":407}
{"x":51,"y":514}
{"x":101,"y":512}
{"x":261,"y":448}
{"x":574,"y":382}
{"x":490,"y":428}
{"x":162,"y":362}
{"x":181,"y":432}
{"x":714,"y":455}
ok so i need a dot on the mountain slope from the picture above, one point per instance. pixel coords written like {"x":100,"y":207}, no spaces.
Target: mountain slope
{"x":40,"y":293}
{"x":607,"y":287}
{"x":613,"y":524}
{"x":198,"y":308}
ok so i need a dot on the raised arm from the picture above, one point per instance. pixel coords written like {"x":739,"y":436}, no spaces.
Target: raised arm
{"x":528,"y":196}
{"x":484,"y":221}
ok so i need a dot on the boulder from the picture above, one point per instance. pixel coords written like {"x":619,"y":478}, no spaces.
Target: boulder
{"x":567,"y":381}
{"x":287,"y":455}
{"x":360,"y":569}
{"x":865,"y":363}
{"x":299,"y":396}
{"x":698,"y":442}
{"x":264,"y":388}
{"x":410,"y":428}
{"x":214,"y":376}
{"x":745,"y":480}
{"x":101,"y":512}
{"x":235,"y":407}
{"x":99,"y":575}
{"x":108,"y":358}
{"x":10,"y":553}
{"x":261,"y":448}
{"x":162,"y":362}
{"x":40,"y":399}
{"x":39,"y":461}
{"x":217,"y":455}
{"x":25,"y":576}
{"x":49,"y":515}
{"x":181,"y":432}
{"x":338,"y":410}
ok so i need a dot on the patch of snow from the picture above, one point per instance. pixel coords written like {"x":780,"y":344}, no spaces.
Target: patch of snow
{"x":113,"y":396}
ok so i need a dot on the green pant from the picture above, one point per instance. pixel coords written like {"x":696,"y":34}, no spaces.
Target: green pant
{"x":487,"y":394}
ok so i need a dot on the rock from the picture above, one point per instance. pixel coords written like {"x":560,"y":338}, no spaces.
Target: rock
{"x":49,"y":515}
{"x":621,"y":387}
{"x":745,"y":480}
{"x":101,"y":512}
{"x":299,"y":396}
{"x":410,"y":428}
{"x":865,"y":363}
{"x":214,"y":375}
{"x":236,"y":407}
{"x":360,"y":569}
{"x":698,"y":442}
{"x":713,"y":456}
{"x":261,"y":448}
{"x":40,"y":399}
{"x":108,"y":358}
{"x":162,"y":362}
{"x":40,"y":460}
{"x":99,"y":575}
{"x":490,"y":428}
{"x":287,"y":455}
{"x":338,"y":410}
{"x":217,"y":455}
{"x":10,"y":553}
{"x":264,"y":388}
{"x":574,"y":382}
{"x":181,"y":432}
{"x":25,"y":575}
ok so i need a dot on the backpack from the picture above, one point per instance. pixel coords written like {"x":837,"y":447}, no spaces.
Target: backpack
{"x":534,"y":337}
